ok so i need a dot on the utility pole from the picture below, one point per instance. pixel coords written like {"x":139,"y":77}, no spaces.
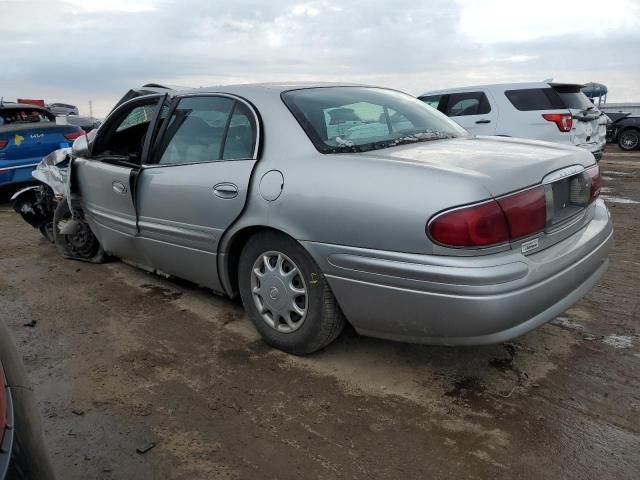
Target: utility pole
{"x":91,"y":108}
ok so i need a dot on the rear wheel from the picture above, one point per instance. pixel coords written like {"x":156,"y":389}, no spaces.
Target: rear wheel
{"x":286,"y":296}
{"x":629,"y":140}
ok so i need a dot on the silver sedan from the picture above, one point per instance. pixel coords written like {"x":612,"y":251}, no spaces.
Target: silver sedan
{"x":322,"y":204}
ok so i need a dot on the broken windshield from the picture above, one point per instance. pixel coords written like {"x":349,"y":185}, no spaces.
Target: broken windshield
{"x":358,"y":119}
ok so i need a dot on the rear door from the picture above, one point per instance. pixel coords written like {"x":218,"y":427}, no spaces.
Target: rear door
{"x":472,"y":111}
{"x":195,"y":185}
{"x":589,"y":129}
{"x":106,"y":179}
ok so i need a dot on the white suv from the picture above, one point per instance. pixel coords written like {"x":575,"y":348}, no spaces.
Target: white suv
{"x":554,"y":112}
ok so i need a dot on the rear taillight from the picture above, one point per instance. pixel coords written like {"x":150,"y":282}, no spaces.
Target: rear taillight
{"x":475,"y":226}
{"x":493,"y":222}
{"x":3,"y":143}
{"x":564,"y":121}
{"x":526,"y":212}
{"x":74,"y":135}
{"x":595,"y":182}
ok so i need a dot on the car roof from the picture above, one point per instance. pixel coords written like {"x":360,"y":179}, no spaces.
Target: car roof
{"x":261,"y":88}
{"x":505,"y":86}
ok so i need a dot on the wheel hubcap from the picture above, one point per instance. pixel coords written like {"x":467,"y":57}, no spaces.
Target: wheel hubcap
{"x":629,"y":140}
{"x":279,"y":291}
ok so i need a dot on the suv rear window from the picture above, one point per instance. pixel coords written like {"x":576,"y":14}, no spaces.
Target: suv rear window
{"x":573,"y":97}
{"x":530,"y":99}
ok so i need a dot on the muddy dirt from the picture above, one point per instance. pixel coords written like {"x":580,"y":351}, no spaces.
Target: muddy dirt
{"x":141,"y":377}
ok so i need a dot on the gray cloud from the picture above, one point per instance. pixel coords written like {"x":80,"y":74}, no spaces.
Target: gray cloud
{"x":62,"y":52}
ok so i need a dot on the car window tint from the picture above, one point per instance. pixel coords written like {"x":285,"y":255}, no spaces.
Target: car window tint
{"x":432,"y":100}
{"x":535,"y":99}
{"x":241,"y":137}
{"x":468,"y":103}
{"x":205,"y":129}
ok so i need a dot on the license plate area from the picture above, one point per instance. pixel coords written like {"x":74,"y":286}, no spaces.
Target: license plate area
{"x":566,"y":199}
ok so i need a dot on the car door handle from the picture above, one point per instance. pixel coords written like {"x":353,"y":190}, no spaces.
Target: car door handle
{"x":225,"y":190}
{"x":483,"y":121}
{"x":119,"y":187}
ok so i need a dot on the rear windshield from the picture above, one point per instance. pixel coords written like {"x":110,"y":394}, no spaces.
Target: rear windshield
{"x":574,"y":98}
{"x":11,"y":116}
{"x":530,"y":99}
{"x":359,"y":119}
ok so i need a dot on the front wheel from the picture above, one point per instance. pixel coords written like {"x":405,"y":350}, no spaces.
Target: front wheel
{"x":81,"y":244}
{"x":286,"y":296}
{"x":629,"y":140}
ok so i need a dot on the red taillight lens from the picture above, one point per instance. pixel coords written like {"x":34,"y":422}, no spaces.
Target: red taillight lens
{"x":3,"y":143}
{"x":74,"y":135}
{"x":489,"y":223}
{"x":526,"y":212}
{"x":564,"y":121}
{"x":595,"y":180}
{"x":475,"y":226}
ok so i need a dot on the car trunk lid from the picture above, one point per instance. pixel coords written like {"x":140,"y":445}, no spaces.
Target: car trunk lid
{"x":502,"y":165}
{"x":34,"y":140}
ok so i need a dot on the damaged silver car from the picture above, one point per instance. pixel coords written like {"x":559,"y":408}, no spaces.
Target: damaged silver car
{"x":321,"y":204}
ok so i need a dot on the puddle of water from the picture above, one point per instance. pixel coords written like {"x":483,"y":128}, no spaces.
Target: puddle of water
{"x":618,"y":341}
{"x":619,"y":174}
{"x":605,"y":190}
{"x":611,"y":199}
{"x":608,"y":179}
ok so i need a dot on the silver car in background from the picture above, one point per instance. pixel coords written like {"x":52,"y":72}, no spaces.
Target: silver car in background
{"x":320,"y":204}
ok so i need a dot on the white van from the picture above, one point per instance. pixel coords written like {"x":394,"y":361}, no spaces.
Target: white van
{"x":554,"y":112}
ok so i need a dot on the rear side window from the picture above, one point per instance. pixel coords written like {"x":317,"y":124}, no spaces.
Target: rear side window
{"x":468,"y":103}
{"x":206,"y":129}
{"x":530,"y":99}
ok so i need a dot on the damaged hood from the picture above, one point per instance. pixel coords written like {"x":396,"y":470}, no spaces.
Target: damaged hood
{"x":53,"y":170}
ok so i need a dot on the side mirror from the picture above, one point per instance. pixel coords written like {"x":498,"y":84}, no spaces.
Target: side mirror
{"x":80,"y":147}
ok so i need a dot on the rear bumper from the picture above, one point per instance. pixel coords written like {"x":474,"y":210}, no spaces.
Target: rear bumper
{"x":465,"y":300}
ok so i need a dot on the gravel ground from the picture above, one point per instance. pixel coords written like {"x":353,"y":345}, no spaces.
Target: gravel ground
{"x":123,"y":361}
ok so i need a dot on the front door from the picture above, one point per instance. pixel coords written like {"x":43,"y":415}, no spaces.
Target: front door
{"x":195,"y":185}
{"x":106,"y":178}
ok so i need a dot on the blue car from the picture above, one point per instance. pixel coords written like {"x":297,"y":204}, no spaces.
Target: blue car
{"x":28,"y":133}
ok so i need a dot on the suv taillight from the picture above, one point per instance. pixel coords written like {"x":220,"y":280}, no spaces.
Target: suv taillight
{"x":564,"y":121}
{"x":493,"y":222}
{"x":74,"y":135}
{"x":3,"y":143}
{"x":595,"y":182}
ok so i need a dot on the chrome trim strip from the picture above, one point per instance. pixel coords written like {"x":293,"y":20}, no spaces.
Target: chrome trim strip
{"x":18,"y":167}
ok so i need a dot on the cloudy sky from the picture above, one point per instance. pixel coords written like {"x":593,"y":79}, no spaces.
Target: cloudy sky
{"x":77,"y":50}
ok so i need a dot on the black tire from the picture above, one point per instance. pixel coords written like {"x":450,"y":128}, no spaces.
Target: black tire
{"x":82,"y":244}
{"x":629,"y":140}
{"x":324,"y":320}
